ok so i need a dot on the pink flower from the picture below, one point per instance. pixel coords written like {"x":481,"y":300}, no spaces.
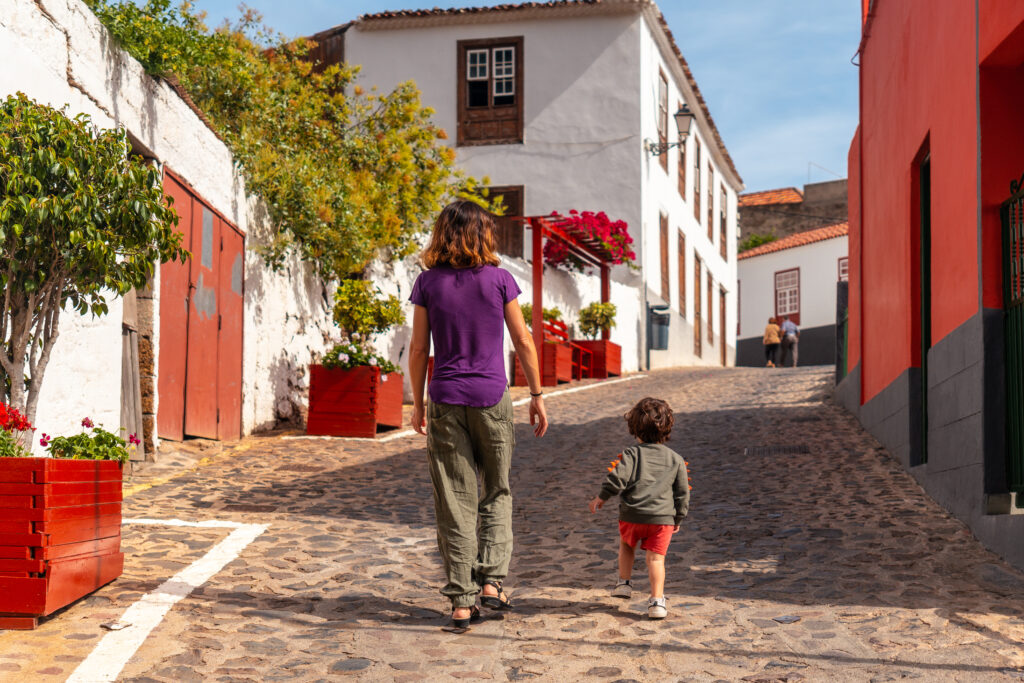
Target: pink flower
{"x":134,"y":440}
{"x":45,"y":441}
{"x":87,"y":423}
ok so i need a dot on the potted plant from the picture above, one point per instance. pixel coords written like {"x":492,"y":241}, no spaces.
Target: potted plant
{"x":60,"y":518}
{"x":555,"y":357}
{"x":598,"y":319}
{"x":353,"y":390}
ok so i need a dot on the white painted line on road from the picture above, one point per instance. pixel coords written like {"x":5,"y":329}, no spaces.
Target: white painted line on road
{"x":409,"y":432}
{"x":112,"y":653}
{"x":206,"y":524}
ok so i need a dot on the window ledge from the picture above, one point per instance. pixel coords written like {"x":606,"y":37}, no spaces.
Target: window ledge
{"x":1004,"y":504}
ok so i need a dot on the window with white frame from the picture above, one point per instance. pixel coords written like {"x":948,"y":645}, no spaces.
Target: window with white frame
{"x":504,"y":76}
{"x":844,"y":269}
{"x":787,"y":293}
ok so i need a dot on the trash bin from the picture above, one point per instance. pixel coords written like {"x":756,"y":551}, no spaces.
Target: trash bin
{"x":658,"y":320}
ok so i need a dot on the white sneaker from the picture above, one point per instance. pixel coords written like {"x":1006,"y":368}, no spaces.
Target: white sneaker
{"x":623,"y":589}
{"x":656,"y":608}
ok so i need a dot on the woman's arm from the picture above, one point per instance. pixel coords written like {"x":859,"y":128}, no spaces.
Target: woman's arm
{"x":522,"y":340}
{"x":419,"y":351}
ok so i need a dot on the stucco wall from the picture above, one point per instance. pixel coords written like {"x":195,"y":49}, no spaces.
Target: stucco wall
{"x":58,"y":53}
{"x":590,"y":86}
{"x":660,"y":195}
{"x":818,"y":263}
{"x":580,"y":135}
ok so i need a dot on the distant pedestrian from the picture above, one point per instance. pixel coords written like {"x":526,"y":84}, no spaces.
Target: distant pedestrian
{"x":654,"y":497}
{"x":790,"y":342}
{"x":771,"y":340}
{"x":463,"y":301}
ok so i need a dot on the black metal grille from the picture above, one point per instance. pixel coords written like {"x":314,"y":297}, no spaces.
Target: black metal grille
{"x":1012,"y":213}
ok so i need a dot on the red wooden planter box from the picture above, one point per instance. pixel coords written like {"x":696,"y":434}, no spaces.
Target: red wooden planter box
{"x":607,"y":357}
{"x":60,"y":534}
{"x":353,"y":401}
{"x":556,"y":366}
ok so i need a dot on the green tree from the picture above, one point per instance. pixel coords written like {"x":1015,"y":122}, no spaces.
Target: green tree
{"x":80,"y":220}
{"x":755,"y":240}
{"x":349,"y":175}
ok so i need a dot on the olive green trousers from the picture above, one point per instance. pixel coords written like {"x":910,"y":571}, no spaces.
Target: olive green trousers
{"x":474,"y":519}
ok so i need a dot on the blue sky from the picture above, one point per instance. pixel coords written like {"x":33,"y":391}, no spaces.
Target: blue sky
{"x":775,"y":73}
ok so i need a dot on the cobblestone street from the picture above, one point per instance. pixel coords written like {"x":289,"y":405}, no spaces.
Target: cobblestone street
{"x":344,"y":581}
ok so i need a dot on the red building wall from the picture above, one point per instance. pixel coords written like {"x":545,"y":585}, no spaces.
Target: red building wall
{"x":918,"y":84}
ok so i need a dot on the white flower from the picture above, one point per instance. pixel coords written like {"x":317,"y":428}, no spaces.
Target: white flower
{"x":384,"y":378}
{"x":373,"y":361}
{"x":343,"y":357}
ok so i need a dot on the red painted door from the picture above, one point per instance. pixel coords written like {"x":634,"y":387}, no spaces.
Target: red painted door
{"x":203,"y":321}
{"x":229,"y":348}
{"x":174,"y":279}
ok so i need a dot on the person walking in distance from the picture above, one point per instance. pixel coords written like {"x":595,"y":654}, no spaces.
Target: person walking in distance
{"x":463,"y":301}
{"x":790,"y":342}
{"x":771,"y":339}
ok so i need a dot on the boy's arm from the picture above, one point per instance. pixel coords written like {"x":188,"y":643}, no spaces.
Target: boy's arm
{"x":681,"y":492}
{"x":619,"y":475}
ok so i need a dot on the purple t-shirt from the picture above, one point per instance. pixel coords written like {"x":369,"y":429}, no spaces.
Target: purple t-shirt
{"x":466,"y":309}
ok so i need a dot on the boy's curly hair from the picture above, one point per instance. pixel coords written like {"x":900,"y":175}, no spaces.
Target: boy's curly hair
{"x":650,"y":420}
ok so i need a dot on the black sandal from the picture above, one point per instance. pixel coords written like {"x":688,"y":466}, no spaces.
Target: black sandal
{"x":462,"y":625}
{"x":501,"y":601}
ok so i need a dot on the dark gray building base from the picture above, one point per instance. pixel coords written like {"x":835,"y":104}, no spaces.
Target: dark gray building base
{"x":960,"y":458}
{"x":817,"y":347}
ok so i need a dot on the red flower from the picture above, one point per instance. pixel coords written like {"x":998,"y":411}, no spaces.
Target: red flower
{"x":87,"y":423}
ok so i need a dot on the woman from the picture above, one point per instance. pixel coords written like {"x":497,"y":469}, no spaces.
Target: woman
{"x":462,"y":301}
{"x":772,"y":339}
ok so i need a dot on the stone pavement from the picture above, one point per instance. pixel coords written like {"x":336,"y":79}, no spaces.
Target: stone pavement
{"x":344,"y":582}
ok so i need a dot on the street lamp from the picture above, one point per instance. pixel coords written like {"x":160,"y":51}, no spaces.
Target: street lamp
{"x":684,"y":119}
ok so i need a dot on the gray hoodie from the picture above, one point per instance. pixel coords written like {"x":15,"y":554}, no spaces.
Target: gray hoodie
{"x":650,"y":480}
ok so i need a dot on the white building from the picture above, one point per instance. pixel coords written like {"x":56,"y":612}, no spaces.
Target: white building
{"x":553,"y":102}
{"x":794,"y":276}
{"x":58,"y":53}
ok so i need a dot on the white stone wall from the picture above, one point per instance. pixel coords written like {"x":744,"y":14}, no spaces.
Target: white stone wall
{"x":819,"y":271}
{"x":58,"y":53}
{"x":661,"y":196}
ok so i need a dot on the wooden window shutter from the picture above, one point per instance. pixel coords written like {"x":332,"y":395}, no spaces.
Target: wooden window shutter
{"x":509,"y":233}
{"x":696,"y":305}
{"x":666,"y":291}
{"x":696,"y":179}
{"x":682,"y":274}
{"x":711,"y":303}
{"x":490,"y":89}
{"x":682,"y":163}
{"x":711,"y":204}
{"x":723,"y":231}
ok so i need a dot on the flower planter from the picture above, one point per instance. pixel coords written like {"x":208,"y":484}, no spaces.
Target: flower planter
{"x":353,"y":402}
{"x":556,"y":366}
{"x":607,"y":357}
{"x":60,"y":534}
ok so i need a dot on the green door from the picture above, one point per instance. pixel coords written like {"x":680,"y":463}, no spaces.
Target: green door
{"x":1013,"y":301}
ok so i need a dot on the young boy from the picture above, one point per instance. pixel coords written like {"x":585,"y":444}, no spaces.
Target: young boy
{"x":654,"y":497}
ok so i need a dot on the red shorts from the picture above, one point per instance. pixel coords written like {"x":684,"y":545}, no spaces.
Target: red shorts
{"x":655,"y":537}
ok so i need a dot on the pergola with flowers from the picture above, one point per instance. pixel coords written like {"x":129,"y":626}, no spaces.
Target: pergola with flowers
{"x":586,"y":240}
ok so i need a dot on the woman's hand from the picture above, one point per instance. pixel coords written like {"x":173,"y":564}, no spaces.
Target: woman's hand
{"x":596,"y":504}
{"x":538,"y":416}
{"x":419,"y":421}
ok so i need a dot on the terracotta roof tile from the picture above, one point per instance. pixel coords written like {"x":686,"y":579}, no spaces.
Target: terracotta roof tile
{"x":509,"y":7}
{"x":799,"y":240}
{"x":785,"y":195}
{"x":442,"y":11}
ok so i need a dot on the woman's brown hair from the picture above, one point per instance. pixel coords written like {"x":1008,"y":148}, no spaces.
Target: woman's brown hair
{"x":463,"y":237}
{"x":650,"y":420}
